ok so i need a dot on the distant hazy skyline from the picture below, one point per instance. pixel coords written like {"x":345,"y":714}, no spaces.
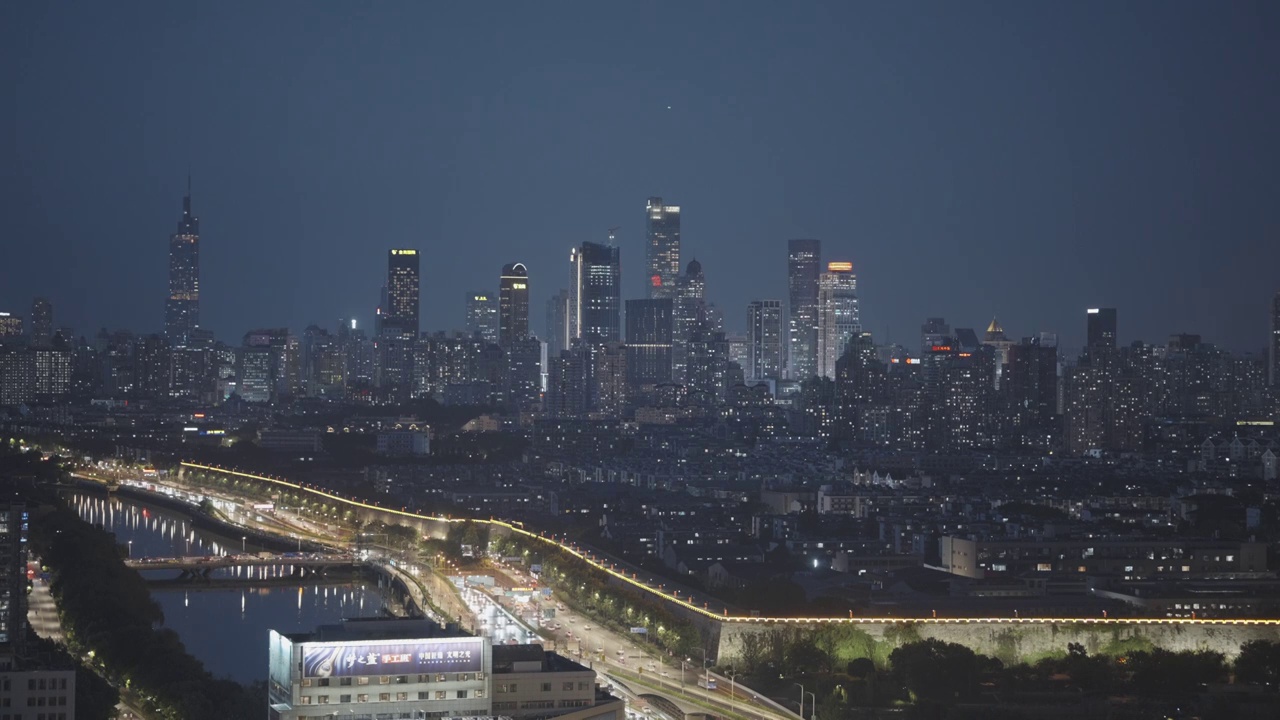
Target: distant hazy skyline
{"x":1018,"y":160}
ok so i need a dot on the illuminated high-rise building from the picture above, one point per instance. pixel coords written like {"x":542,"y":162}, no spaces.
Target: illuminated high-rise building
{"x":838,"y":319}
{"x":662,"y":247}
{"x":648,"y":348}
{"x":482,"y":315}
{"x":400,"y":315}
{"x":595,"y":290}
{"x":41,"y":322}
{"x":182,"y":308}
{"x":10,"y":326}
{"x":689,"y":315}
{"x":398,"y":325}
{"x":1101,"y":328}
{"x":513,"y":305}
{"x":803,"y":268}
{"x":764,"y":339}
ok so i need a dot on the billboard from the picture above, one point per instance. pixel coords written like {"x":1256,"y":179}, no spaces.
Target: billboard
{"x":406,"y":657}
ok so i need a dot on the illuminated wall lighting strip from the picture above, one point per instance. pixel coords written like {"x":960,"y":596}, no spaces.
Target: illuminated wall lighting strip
{"x":738,"y":618}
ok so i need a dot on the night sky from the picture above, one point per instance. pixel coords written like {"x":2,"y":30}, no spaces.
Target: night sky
{"x":1019,"y":159}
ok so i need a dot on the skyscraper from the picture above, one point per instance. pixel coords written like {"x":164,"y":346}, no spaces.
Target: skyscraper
{"x":400,"y":316}
{"x":595,"y":287}
{"x":662,"y":248}
{"x":182,"y":309}
{"x":482,"y":315}
{"x":649,"y":326}
{"x":1273,"y":362}
{"x":513,"y":308}
{"x":689,"y":314}
{"x":558,"y":323}
{"x":934,"y":332}
{"x":41,"y":322}
{"x":803,"y":269}
{"x":1101,"y":328}
{"x":398,"y":330}
{"x":838,"y":318}
{"x":764,"y":339}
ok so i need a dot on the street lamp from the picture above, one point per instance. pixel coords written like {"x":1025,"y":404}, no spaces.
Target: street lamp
{"x":130,"y":543}
{"x":801,"y":698}
{"x":243,"y":538}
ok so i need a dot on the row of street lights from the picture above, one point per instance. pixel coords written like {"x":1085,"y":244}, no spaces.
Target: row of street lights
{"x":813,"y":711}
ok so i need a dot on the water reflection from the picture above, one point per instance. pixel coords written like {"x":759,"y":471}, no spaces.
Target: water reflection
{"x":225,"y":627}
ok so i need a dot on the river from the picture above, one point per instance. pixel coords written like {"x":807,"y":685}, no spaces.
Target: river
{"x":225,"y":628}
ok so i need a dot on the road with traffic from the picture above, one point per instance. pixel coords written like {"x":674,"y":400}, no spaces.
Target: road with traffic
{"x":591,"y":643}
{"x":42,"y":614}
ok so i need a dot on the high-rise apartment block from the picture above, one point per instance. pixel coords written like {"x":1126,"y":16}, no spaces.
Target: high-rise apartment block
{"x":764,"y":340}
{"x":182,"y":308}
{"x":803,"y":269}
{"x":513,"y":294}
{"x":838,"y":318}
{"x":662,"y":247}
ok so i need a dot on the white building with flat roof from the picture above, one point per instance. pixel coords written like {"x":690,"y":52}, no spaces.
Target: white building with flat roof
{"x":394,"y":669}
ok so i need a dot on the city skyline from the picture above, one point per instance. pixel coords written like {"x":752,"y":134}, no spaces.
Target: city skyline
{"x":940,"y":375}
{"x":1044,"y":196}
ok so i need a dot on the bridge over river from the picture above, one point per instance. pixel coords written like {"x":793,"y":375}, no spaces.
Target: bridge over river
{"x":201,"y":566}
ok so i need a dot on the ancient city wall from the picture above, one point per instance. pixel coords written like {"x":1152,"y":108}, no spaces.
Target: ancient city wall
{"x":1010,"y":642}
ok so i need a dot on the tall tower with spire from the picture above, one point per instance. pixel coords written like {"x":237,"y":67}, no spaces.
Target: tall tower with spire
{"x":182,"y":308}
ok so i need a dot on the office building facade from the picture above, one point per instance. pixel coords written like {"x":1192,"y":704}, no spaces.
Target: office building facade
{"x":689,"y":316}
{"x":662,"y":248}
{"x":558,"y":323}
{"x":398,"y":325}
{"x":803,"y":270}
{"x":838,"y":316}
{"x":595,"y":304}
{"x":1101,"y":328}
{"x":649,"y":330}
{"x":513,"y":309}
{"x":182,"y":308}
{"x":482,"y":315}
{"x":764,"y":340}
{"x":400,"y":316}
